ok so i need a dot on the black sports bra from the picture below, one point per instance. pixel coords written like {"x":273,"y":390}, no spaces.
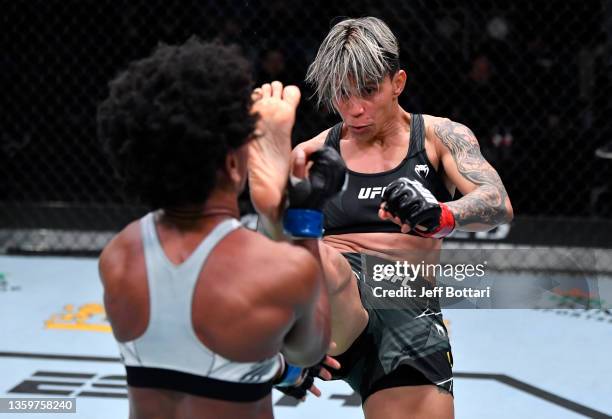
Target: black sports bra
{"x":356,"y":209}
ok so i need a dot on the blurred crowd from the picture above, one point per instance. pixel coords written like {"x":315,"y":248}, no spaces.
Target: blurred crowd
{"x":531,"y":80}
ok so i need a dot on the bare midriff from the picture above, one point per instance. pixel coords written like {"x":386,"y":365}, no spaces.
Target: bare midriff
{"x":382,"y":244}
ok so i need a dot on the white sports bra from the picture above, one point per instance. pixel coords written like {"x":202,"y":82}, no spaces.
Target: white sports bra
{"x":169,"y":354}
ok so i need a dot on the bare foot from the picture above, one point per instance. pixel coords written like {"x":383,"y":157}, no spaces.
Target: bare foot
{"x":270,"y":152}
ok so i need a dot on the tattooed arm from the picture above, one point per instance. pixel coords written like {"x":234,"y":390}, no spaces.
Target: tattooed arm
{"x":485,"y":203}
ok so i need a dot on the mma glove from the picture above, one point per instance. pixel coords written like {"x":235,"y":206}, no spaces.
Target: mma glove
{"x":415,"y":205}
{"x":326,"y":178}
{"x":295,"y":381}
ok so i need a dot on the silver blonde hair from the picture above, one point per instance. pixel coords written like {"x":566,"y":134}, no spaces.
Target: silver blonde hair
{"x":355,"y":54}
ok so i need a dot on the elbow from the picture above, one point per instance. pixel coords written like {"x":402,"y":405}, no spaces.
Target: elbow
{"x":306,"y":359}
{"x":318,"y":352}
{"x":316,"y":357}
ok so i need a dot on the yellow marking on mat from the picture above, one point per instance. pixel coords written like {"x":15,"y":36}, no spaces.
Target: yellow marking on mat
{"x":89,"y":318}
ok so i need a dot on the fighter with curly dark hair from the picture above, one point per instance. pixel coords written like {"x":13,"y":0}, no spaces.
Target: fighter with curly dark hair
{"x":171,"y":118}
{"x":201,"y":307}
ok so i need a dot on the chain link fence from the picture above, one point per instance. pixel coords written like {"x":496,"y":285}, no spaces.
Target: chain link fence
{"x":531,"y":79}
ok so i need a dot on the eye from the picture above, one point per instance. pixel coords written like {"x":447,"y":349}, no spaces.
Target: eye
{"x":369,"y":90}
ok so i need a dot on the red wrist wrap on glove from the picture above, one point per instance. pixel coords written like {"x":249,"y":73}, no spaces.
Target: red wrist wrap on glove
{"x":446,"y":227}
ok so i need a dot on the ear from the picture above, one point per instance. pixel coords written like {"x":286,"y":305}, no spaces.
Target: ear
{"x":232,"y":167}
{"x":398,"y":83}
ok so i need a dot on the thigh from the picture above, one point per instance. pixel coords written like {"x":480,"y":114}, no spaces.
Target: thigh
{"x":348,"y":316}
{"x":410,"y":402}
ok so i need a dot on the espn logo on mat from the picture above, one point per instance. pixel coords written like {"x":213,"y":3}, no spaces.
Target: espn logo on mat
{"x":72,"y":384}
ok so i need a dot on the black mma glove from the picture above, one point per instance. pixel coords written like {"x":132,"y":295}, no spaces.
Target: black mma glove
{"x":415,"y":205}
{"x":326,"y":178}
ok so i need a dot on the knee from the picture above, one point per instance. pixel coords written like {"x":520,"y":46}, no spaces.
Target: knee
{"x":336,"y":269}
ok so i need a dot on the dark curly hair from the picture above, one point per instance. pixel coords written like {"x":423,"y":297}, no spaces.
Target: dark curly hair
{"x":171,"y":118}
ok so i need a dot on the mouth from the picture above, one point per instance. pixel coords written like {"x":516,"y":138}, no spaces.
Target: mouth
{"x":358,"y":128}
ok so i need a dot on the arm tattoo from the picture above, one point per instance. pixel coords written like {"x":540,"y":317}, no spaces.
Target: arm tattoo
{"x":486,"y":204}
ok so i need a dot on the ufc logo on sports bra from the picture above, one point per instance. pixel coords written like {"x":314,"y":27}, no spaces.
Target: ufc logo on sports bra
{"x":371,"y":193}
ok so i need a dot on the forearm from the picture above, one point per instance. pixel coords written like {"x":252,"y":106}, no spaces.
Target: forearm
{"x":314,"y":247}
{"x":336,"y":269}
{"x":271,"y":229}
{"x":482,"y":209}
{"x":309,"y":341}
{"x":305,"y":348}
{"x":485,"y":206}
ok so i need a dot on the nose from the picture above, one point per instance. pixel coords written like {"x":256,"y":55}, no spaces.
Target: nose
{"x":355,"y":107}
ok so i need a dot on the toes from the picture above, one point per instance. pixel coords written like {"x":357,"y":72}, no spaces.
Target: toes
{"x":257,"y":94}
{"x":266,"y":90}
{"x":277,"y":89}
{"x":292,"y":95}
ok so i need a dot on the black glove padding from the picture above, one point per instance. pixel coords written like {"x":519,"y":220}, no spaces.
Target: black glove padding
{"x":299,"y":391}
{"x":412,"y":203}
{"x":326,"y":178}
